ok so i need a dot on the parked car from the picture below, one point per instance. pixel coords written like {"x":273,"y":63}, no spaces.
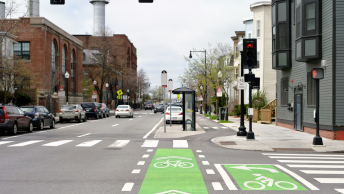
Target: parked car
{"x":12,"y":119}
{"x":177,"y":114}
{"x":124,"y":110}
{"x":72,"y":112}
{"x":92,"y":110}
{"x":149,"y":105}
{"x":105,"y":110}
{"x":159,"y":108}
{"x":40,"y":116}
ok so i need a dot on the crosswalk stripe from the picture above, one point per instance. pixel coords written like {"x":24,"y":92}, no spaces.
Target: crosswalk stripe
{"x":205,"y":163}
{"x":119,"y":143}
{"x":57,"y":143}
{"x":205,"y":127}
{"x":217,"y":186}
{"x":201,"y":156}
{"x":321,"y":172}
{"x":340,"y":190}
{"x":128,"y":187}
{"x":292,"y":157}
{"x":210,"y":171}
{"x":330,"y":180}
{"x":25,"y":143}
{"x":141,"y":163}
{"x":271,"y":154}
{"x":5,"y":142}
{"x":150,"y":143}
{"x":312,"y":161}
{"x":150,"y":150}
{"x":224,"y":127}
{"x":135,"y":171}
{"x":180,"y":143}
{"x":145,"y":156}
{"x":315,"y":166}
{"x":89,"y":143}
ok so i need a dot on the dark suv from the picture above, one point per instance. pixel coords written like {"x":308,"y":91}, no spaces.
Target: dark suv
{"x":149,"y":105}
{"x":93,"y":110}
{"x":12,"y":119}
{"x":40,"y":116}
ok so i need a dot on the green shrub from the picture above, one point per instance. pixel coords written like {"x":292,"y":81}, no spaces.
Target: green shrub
{"x":259,"y":99}
{"x":207,"y":115}
{"x":213,"y":117}
{"x":225,"y":121}
{"x":237,"y":109}
{"x":22,"y":99}
{"x":231,"y":114}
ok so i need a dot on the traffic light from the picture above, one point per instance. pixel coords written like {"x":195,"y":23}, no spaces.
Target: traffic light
{"x":57,"y":2}
{"x":318,"y":73}
{"x":249,"y":54}
{"x":145,"y":1}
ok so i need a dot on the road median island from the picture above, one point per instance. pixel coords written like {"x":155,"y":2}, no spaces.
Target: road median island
{"x":173,"y":171}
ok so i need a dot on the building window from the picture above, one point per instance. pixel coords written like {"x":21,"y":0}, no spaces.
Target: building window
{"x":236,"y":73}
{"x":258,"y":28}
{"x":258,"y":60}
{"x":22,"y":49}
{"x":284,"y":91}
{"x":311,"y":89}
{"x":53,"y":67}
{"x":64,"y":66}
{"x":236,"y":94}
{"x":73,"y":67}
{"x":310,"y":19}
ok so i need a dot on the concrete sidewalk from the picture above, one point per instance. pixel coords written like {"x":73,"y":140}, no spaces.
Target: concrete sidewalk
{"x":275,"y":138}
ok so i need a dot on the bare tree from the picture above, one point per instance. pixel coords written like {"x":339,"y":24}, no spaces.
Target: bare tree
{"x":142,"y":82}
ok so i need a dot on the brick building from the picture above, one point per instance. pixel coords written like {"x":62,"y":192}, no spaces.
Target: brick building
{"x":51,"y":52}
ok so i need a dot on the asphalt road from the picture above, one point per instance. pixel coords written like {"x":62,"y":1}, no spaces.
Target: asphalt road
{"x":112,"y":156}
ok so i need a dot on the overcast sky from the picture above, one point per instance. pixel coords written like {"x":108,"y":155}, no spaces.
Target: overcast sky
{"x":163,"y":32}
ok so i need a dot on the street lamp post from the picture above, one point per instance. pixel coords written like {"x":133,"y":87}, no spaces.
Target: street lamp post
{"x":170,"y":88}
{"x":66,"y":77}
{"x":94,"y":83}
{"x":106,"y":93}
{"x":128,"y":96}
{"x":219,"y":75}
{"x":206,"y":86}
{"x":242,"y":128}
{"x":164,"y":85}
{"x":201,"y":100}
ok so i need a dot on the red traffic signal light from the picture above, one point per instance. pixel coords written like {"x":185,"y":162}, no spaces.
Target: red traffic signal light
{"x":249,"y":54}
{"x":249,"y":46}
{"x":318,"y":73}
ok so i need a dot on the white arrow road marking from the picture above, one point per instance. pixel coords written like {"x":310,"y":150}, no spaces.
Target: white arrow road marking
{"x":25,"y":143}
{"x":330,"y":180}
{"x":89,"y":143}
{"x":128,"y":187}
{"x":4,"y":142}
{"x":115,"y":125}
{"x":85,"y":135}
{"x":57,"y":143}
{"x":250,"y":168}
{"x":173,"y":192}
{"x":217,"y":186}
{"x":119,"y":143}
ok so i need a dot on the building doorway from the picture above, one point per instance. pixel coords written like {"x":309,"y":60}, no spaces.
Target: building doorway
{"x":298,"y":112}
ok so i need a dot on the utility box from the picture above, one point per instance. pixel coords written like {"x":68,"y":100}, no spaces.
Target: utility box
{"x":223,"y":115}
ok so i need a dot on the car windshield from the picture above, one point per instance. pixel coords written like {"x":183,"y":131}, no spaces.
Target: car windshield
{"x":175,"y":109}
{"x":87,"y":105}
{"x":69,"y":107}
{"x":122,"y":107}
{"x":27,"y":109}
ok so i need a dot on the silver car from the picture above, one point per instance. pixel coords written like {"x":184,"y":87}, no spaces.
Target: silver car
{"x":72,"y":112}
{"x":124,"y":110}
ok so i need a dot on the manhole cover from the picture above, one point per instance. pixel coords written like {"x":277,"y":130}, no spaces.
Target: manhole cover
{"x":294,"y":149}
{"x":227,"y":143}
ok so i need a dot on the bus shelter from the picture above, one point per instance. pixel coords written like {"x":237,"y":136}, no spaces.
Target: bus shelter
{"x":189,"y":113}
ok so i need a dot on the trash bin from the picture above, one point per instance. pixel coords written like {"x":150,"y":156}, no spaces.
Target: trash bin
{"x":223,"y":115}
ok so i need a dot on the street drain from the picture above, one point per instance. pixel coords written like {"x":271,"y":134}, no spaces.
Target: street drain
{"x":227,"y":143}
{"x":294,"y":149}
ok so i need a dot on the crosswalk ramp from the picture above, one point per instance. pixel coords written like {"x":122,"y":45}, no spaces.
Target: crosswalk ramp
{"x":92,"y":143}
{"x":324,"y":168}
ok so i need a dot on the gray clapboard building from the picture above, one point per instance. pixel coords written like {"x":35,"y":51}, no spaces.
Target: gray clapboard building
{"x":309,"y":34}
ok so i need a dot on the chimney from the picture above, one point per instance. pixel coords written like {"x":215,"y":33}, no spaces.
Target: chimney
{"x":98,"y":16}
{"x":2,"y":10}
{"x":33,"y":8}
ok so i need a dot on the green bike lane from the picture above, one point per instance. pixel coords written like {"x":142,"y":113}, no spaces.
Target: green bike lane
{"x":175,"y":171}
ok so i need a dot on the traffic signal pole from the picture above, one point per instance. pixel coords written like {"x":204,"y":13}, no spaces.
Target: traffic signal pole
{"x":317,"y":140}
{"x":242,"y":128}
{"x":250,"y":133}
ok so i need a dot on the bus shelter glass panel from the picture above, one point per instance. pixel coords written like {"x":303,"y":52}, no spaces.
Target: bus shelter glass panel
{"x":189,"y":116}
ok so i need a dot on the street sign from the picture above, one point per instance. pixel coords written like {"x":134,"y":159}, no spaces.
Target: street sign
{"x":256,"y":83}
{"x":61,"y":88}
{"x":61,"y":93}
{"x":178,"y":96}
{"x":119,"y":92}
{"x":200,"y":98}
{"x":219,"y":92}
{"x":125,"y":97}
{"x":250,"y":111}
{"x":94,"y":95}
{"x":118,"y":97}
{"x":241,"y":83}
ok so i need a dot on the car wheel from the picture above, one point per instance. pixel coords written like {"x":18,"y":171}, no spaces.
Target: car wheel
{"x":14,"y":129}
{"x":104,"y":115}
{"x":61,"y":120}
{"x":30,"y":127}
{"x":52,"y":125}
{"x":41,"y":125}
{"x":85,"y":118}
{"x":97,"y":116}
{"x":108,"y":115}
{"x":79,"y":120}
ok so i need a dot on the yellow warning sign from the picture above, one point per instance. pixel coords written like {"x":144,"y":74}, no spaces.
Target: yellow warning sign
{"x":178,"y":96}
{"x":119,"y":92}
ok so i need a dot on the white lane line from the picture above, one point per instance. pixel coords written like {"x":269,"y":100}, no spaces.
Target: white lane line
{"x":225,"y":177}
{"x":224,"y":127}
{"x":94,"y":121}
{"x":299,"y":178}
{"x":150,"y":143}
{"x":302,"y":155}
{"x":315,"y":166}
{"x":115,"y":125}
{"x":210,"y":171}
{"x":150,"y":150}
{"x":136,"y":171}
{"x":180,"y":144}
{"x":5,"y":142}
{"x":217,"y":186}
{"x":198,"y":150}
{"x":292,"y":157}
{"x":205,"y":162}
{"x":215,"y":127}
{"x":340,"y":190}
{"x":330,"y":180}
{"x":151,"y":113}
{"x":312,"y":161}
{"x":141,"y":163}
{"x":89,"y":143}
{"x":205,"y":127}
{"x":140,"y":116}
{"x":144,"y":137}
{"x":201,"y":156}
{"x":25,"y":143}
{"x":57,"y":143}
{"x":128,"y":187}
{"x":119,"y":144}
{"x":145,"y":156}
{"x":85,"y":135}
{"x":321,"y":172}
{"x":130,"y":119}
